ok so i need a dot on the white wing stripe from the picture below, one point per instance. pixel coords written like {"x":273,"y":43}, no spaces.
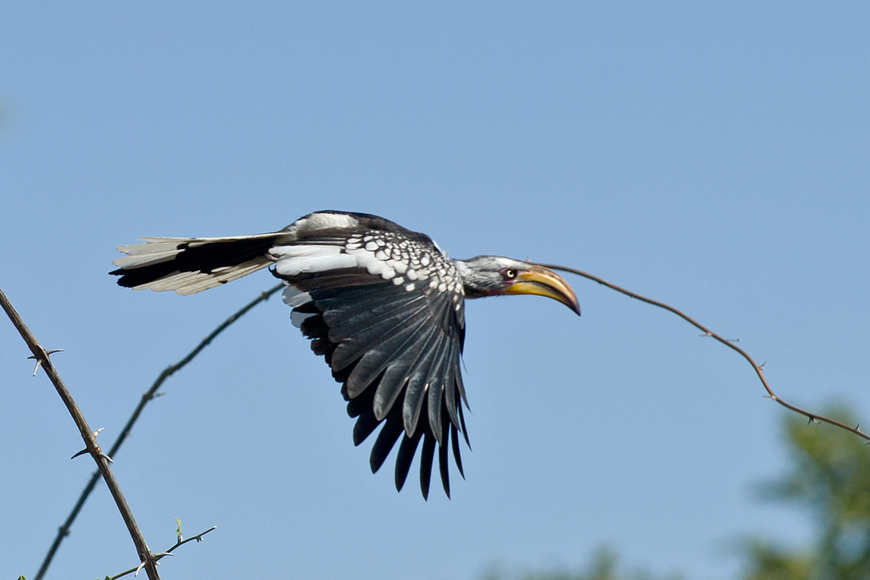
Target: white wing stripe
{"x":296,"y":266}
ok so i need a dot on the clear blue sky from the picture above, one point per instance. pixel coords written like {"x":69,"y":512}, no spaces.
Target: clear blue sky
{"x":714,"y":157}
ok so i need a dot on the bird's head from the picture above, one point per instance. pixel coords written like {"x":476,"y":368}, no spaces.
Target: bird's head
{"x":496,"y":276}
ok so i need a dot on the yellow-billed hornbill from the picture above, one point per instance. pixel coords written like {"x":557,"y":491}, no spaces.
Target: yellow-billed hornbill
{"x":383,"y":305}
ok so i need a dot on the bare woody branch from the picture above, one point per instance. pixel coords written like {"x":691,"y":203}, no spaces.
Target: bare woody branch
{"x":149,"y":395}
{"x":813,"y":417}
{"x":90,"y":439}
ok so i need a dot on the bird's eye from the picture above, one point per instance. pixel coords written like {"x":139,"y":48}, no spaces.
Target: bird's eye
{"x":510,"y":274}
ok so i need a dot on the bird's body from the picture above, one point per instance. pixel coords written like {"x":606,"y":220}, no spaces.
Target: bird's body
{"x":383,"y":304}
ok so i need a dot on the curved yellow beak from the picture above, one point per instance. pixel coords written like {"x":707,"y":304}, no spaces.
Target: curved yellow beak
{"x":542,"y":281}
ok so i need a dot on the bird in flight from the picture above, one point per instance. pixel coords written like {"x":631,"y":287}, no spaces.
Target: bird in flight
{"x":382,"y":304}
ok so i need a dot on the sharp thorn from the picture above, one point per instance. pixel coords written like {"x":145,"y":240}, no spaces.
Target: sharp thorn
{"x":82,"y":452}
{"x":48,"y":353}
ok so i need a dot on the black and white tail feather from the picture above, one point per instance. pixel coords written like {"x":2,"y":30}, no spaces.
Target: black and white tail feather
{"x":382,"y":304}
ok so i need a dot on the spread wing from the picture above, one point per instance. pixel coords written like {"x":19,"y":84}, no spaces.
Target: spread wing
{"x":392,"y":339}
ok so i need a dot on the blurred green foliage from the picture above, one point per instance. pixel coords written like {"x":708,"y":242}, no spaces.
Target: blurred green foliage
{"x":603,"y":566}
{"x":828,"y":477}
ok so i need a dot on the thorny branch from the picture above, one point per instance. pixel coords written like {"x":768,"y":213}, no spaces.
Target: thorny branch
{"x":161,"y":555}
{"x":168,"y":371}
{"x":813,"y":417}
{"x":102,"y":460}
{"x":150,"y":394}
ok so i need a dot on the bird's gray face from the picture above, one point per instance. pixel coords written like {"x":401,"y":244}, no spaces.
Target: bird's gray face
{"x":496,"y":275}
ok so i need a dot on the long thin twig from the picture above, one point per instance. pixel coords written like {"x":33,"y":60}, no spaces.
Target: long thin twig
{"x":730,"y":344}
{"x":168,"y":552}
{"x":101,"y":459}
{"x":150,"y":394}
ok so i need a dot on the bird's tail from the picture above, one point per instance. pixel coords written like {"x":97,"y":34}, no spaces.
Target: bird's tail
{"x":190,"y":265}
